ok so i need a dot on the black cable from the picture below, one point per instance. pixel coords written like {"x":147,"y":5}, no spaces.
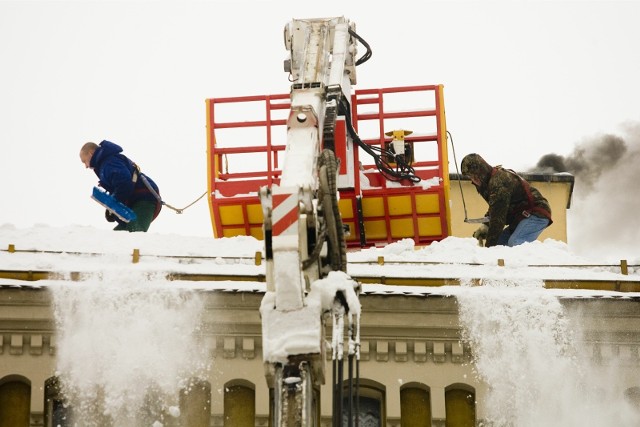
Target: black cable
{"x":364,"y":58}
{"x":402,"y":170}
{"x":336,"y":421}
{"x":358,"y":391}
{"x":350,"y":382}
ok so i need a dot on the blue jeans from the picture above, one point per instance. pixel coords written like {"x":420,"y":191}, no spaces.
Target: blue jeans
{"x":527,"y":230}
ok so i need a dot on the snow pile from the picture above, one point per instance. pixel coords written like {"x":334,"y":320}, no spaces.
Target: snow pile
{"x":93,"y":240}
{"x":462,"y":258}
{"x":86,"y":249}
{"x":458,"y":250}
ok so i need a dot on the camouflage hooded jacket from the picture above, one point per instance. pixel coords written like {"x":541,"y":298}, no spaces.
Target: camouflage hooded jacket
{"x":507,"y":196}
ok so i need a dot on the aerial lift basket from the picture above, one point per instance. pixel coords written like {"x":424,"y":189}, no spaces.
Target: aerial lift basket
{"x":246,"y":143}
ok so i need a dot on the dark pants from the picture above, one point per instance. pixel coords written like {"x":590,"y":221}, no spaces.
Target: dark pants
{"x":144,"y":211}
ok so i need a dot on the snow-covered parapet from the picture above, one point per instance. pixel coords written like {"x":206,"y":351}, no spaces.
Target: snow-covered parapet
{"x":462,"y":259}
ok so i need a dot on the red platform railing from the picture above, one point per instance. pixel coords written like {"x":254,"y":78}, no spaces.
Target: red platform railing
{"x":244,"y":155}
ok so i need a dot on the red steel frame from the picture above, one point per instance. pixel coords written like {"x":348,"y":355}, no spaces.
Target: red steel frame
{"x":240,"y":188}
{"x":425,"y":169}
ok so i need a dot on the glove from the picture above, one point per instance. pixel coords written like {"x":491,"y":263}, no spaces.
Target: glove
{"x":109,"y":216}
{"x":481,"y":234}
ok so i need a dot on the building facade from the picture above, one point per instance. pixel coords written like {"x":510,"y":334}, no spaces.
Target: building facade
{"x":415,"y":369}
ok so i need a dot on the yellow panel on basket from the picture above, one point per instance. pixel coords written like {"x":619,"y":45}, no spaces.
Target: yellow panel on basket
{"x":232,"y":232}
{"x":427,"y":203}
{"x":401,"y":228}
{"x":399,"y":205}
{"x":254,"y":214}
{"x":257,"y":232}
{"x":346,"y":208}
{"x":372,"y":206}
{"x":231,"y":215}
{"x":429,"y":226}
{"x":375,"y":229}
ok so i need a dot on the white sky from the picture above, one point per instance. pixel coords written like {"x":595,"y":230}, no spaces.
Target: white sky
{"x":521,"y":79}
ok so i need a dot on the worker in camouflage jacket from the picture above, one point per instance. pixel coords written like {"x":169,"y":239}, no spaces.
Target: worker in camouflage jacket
{"x":518,"y":213}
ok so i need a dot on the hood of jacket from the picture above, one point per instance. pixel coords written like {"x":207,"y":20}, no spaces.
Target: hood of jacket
{"x":473,"y":165}
{"x":105,"y":150}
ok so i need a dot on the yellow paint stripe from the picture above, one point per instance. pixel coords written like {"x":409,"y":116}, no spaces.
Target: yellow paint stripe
{"x":598,"y":285}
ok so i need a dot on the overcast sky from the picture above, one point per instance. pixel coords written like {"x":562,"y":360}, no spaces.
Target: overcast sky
{"x":521,"y":79}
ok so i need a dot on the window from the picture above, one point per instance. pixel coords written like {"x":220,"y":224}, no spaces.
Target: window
{"x":415,"y":405}
{"x":15,"y":401}
{"x":370,"y":407}
{"x":460,"y":402}
{"x":56,"y":411}
{"x":239,"y":404}
{"x":195,"y":404}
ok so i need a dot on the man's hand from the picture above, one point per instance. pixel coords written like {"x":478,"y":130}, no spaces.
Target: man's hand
{"x":481,"y":234}
{"x":109,"y":216}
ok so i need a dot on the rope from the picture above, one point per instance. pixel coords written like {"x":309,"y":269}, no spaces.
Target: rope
{"x":482,"y":220}
{"x":157,"y":196}
{"x":455,"y":161}
{"x":179,"y":211}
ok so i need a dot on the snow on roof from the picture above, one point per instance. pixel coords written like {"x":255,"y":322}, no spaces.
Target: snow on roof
{"x":86,"y":249}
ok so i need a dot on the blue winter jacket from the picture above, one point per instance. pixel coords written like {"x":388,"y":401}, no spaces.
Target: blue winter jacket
{"x":115,"y":172}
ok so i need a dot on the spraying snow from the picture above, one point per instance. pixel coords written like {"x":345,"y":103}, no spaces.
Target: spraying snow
{"x":529,"y":351}
{"x":127,"y":345}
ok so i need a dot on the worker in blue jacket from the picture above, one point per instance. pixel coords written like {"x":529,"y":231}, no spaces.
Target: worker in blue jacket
{"x":122,"y":178}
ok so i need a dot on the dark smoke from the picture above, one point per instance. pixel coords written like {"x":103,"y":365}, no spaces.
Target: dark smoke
{"x":588,"y":161}
{"x":551,"y":163}
{"x":604,"y":217}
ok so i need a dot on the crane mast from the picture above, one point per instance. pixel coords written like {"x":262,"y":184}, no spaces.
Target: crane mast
{"x":305,"y":250}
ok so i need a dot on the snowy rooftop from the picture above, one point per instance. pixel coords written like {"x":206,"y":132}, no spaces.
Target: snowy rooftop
{"x":86,"y":251}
